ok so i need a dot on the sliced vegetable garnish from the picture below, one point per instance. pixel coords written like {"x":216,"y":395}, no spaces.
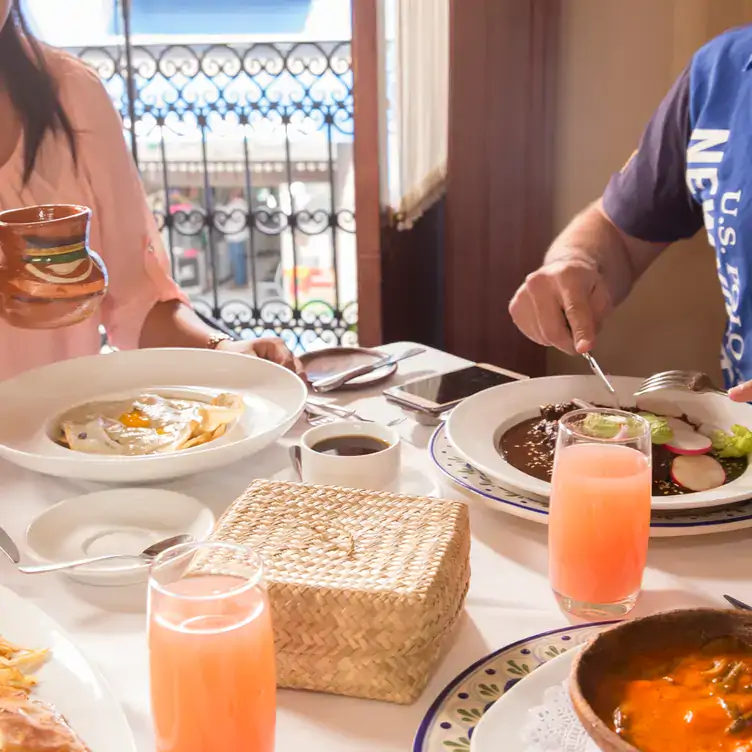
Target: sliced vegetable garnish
{"x":738,"y":443}
{"x":689,"y":442}
{"x":601,"y":426}
{"x":660,"y":431}
{"x":698,"y":473}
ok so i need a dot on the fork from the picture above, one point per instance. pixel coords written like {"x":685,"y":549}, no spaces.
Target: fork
{"x":691,"y":381}
{"x":323,"y":420}
{"x":319,"y":414}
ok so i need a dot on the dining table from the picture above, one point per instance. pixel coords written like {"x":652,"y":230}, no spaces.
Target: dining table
{"x":509,"y":596}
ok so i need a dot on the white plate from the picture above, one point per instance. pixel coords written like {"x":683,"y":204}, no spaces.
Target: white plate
{"x":119,"y":521}
{"x":505,"y":720}
{"x":476,"y":425}
{"x":67,"y":680}
{"x":664,"y":523}
{"x":451,"y":719}
{"x":274,"y":398}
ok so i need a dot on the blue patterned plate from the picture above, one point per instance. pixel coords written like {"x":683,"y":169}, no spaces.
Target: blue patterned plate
{"x":449,"y":723}
{"x":662,"y":525}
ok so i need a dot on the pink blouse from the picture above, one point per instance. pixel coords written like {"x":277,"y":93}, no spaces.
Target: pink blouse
{"x":123,"y":230}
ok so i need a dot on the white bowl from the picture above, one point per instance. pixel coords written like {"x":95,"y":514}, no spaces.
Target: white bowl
{"x":476,"y":425}
{"x":118,"y":521}
{"x":274,"y":399}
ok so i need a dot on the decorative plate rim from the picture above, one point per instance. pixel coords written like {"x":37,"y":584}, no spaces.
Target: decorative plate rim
{"x":432,"y":450}
{"x":705,"y":513}
{"x":430,"y":714}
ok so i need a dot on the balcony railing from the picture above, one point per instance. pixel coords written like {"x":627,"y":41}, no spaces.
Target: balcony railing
{"x":245,"y":150}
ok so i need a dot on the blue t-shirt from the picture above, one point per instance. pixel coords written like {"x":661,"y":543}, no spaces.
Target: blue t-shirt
{"x":693,"y":167}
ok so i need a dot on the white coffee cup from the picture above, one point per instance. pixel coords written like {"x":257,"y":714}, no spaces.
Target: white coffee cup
{"x":378,"y":471}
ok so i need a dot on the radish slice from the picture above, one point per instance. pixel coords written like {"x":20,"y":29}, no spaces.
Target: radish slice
{"x":699,"y":473}
{"x":678,"y":425}
{"x":689,"y":442}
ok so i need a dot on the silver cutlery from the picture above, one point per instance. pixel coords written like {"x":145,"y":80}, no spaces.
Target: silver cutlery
{"x":149,"y":553}
{"x":741,"y":605}
{"x":318,"y":409}
{"x":325,"y":419}
{"x":296,"y":459}
{"x":330,"y":383}
{"x":321,"y":413}
{"x":8,"y":547}
{"x":598,"y":371}
{"x":691,"y":381}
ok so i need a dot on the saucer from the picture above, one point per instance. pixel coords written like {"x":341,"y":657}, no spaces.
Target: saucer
{"x":123,"y":520}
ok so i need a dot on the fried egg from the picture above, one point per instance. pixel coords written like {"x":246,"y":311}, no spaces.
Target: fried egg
{"x":148,"y":424}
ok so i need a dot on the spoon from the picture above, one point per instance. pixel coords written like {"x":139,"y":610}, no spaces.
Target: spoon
{"x":741,"y":605}
{"x":295,"y":458}
{"x":146,"y":555}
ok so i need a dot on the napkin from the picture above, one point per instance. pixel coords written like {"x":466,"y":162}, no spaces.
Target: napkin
{"x":554,"y":726}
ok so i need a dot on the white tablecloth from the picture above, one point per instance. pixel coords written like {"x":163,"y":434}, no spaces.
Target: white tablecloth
{"x":509,"y":596}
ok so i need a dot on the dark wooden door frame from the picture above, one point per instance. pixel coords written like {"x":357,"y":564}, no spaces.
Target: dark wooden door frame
{"x":498,"y":210}
{"x":499,"y":204}
{"x":366,"y":28}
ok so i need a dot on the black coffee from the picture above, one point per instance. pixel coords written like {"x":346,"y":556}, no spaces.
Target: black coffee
{"x":350,"y":446}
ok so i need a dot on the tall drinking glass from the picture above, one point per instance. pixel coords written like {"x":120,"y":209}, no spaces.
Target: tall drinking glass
{"x":211,"y":650}
{"x":599,"y":520}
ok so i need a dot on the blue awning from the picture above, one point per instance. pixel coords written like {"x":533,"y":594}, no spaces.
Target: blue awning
{"x":279,"y":17}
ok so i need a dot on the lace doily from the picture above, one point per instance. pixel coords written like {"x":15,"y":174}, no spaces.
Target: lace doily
{"x":554,"y":726}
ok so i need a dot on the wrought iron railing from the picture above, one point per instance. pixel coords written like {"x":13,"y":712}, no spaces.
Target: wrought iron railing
{"x":246,"y":153}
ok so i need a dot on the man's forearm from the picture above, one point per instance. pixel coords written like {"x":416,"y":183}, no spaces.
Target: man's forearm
{"x":593,"y":238}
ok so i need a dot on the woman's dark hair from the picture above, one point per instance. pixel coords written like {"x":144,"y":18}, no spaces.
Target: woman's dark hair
{"x":31,"y":87}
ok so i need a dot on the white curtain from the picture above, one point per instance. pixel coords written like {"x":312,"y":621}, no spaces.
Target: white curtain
{"x":420,"y":106}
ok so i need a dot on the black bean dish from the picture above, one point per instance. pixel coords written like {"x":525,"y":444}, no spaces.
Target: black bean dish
{"x":685,"y":459}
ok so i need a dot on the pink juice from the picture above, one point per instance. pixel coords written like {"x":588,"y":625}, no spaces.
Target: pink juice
{"x":212,"y":666}
{"x":599,"y":522}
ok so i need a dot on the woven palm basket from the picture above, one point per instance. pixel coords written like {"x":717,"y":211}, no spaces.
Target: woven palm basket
{"x":365,"y":587}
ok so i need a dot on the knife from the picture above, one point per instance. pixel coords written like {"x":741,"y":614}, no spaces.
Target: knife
{"x":596,"y":369}
{"x":329,"y":383}
{"x":8,"y":547}
{"x":737,"y":604}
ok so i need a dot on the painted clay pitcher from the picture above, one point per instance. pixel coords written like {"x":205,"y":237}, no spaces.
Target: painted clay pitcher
{"x":49,"y":278}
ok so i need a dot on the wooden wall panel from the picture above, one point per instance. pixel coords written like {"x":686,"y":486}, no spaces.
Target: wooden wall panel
{"x":499,"y":194}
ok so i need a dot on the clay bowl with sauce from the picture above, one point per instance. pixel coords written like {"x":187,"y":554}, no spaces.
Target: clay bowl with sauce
{"x":615,"y":652}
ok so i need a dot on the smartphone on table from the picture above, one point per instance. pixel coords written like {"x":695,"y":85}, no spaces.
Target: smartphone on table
{"x":436,"y":394}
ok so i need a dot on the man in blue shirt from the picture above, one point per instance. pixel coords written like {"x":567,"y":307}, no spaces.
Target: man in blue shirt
{"x":693,"y":167}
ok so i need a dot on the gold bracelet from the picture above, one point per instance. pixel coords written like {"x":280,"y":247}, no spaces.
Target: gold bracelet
{"x":215,"y":339}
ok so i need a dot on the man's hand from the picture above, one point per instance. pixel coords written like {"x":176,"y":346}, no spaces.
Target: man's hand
{"x":742,"y":392}
{"x":562,"y":304}
{"x":268,"y":348}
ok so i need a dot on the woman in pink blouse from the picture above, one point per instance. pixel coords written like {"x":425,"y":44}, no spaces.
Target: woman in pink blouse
{"x":61,"y":141}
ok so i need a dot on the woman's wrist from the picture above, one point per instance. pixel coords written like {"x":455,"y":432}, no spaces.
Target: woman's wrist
{"x":216,"y":340}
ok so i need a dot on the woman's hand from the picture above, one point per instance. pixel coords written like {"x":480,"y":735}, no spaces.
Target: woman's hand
{"x":742,"y":392}
{"x":172,"y":323}
{"x":268,"y":348}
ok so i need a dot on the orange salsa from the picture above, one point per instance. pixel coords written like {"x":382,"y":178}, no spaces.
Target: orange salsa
{"x":698,"y":701}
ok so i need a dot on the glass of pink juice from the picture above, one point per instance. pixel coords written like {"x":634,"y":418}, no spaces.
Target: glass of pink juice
{"x":211,"y":650}
{"x":599,"y":520}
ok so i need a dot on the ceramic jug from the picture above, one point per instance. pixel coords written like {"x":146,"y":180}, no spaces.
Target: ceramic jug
{"x":49,"y":277}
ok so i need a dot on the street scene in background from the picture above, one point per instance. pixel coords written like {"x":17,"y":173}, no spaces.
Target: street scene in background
{"x":243,"y":125}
